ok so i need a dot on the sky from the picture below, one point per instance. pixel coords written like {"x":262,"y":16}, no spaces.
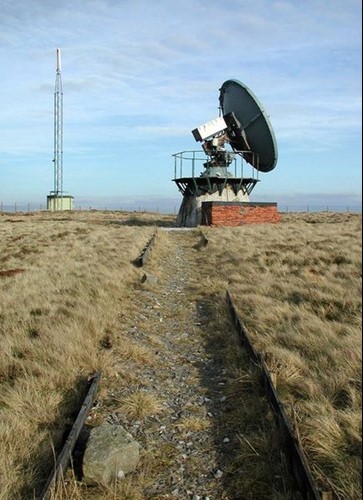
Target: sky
{"x":139,"y":76}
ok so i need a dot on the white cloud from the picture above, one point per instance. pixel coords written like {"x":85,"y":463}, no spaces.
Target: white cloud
{"x":135,"y":69}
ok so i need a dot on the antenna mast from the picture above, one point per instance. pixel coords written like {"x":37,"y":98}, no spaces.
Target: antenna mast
{"x":57,"y":200}
{"x":58,"y":134}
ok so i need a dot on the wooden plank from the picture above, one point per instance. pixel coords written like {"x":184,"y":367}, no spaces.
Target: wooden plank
{"x":294,"y":452}
{"x":140,"y":261}
{"x":65,"y":455}
{"x":243,"y":334}
{"x":273,"y":376}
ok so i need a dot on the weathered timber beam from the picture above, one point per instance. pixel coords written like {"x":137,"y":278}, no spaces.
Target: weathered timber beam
{"x":65,"y":455}
{"x":293,"y":449}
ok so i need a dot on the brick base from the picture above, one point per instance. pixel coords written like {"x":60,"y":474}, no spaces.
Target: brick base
{"x":238,"y":213}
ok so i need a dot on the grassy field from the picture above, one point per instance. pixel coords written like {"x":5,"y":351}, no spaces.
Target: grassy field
{"x":65,"y":285}
{"x":62,"y":280}
{"x":297,"y":286}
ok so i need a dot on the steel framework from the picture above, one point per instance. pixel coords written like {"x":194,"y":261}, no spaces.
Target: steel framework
{"x":58,"y":135}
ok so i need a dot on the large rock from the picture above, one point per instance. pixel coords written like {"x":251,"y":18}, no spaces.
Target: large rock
{"x":149,"y":278}
{"x":111,"y":452}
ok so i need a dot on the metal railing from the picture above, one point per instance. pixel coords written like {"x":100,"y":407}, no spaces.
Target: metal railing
{"x":191,"y":163}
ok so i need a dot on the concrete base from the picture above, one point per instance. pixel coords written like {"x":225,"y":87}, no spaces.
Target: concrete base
{"x":59,"y":203}
{"x":190,"y":212}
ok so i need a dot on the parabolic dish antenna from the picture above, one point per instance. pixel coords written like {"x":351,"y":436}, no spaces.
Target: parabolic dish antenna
{"x":257,"y":133}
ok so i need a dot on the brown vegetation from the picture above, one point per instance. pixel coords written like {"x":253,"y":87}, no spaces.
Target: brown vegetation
{"x":298,"y":290}
{"x":70,"y":308}
{"x":53,"y":317}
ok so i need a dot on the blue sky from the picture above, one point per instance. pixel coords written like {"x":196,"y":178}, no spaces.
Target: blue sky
{"x":138,"y":76}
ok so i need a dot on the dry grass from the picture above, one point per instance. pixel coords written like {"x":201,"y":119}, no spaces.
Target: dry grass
{"x":140,"y":405}
{"x":297,"y":286}
{"x":58,"y":320}
{"x":67,"y":288}
{"x":192,"y":424}
{"x":254,"y":465}
{"x":71,"y":489}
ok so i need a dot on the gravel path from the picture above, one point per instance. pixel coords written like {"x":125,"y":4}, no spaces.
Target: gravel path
{"x":190,"y":445}
{"x":188,"y":379}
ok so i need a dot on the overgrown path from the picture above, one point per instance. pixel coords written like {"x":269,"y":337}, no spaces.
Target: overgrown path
{"x":190,"y":389}
{"x":186,"y":377}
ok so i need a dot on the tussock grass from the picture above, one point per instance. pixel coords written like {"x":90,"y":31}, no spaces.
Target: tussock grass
{"x":135,"y":352}
{"x":140,"y":405}
{"x":71,"y":489}
{"x":67,"y":309}
{"x":192,"y":424}
{"x":58,"y":321}
{"x":297,"y":287}
{"x":254,"y":464}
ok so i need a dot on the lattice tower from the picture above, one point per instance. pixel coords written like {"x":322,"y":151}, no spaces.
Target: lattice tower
{"x":58,"y":135}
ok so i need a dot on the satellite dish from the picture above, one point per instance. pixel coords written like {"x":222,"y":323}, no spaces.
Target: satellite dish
{"x":241,"y":133}
{"x":257,"y":135}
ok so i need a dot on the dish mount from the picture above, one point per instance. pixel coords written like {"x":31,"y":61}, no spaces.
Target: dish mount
{"x":241,"y":134}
